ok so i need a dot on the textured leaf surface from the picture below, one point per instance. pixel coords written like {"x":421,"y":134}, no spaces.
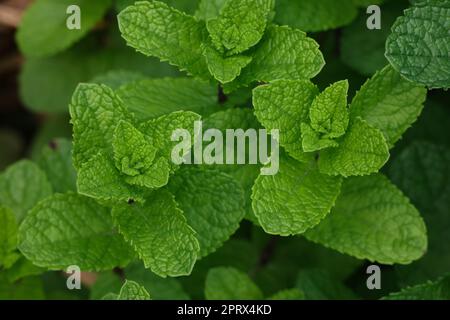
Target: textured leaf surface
{"x":312,"y":141}
{"x":224,"y":69}
{"x":133,"y":291}
{"x":209,"y":9}
{"x":22,"y":185}
{"x":389,"y":102}
{"x":226,"y":283}
{"x":99,"y":178}
{"x":284,"y":105}
{"x":315,"y":15}
{"x":362,"y":150}
{"x":152,"y":98}
{"x":239,"y":26}
{"x":155,"y":29}
{"x":160,"y":234}
{"x":283,"y":53}
{"x":160,"y":131}
{"x":437,"y":290}
{"x":213,"y":203}
{"x":95,"y":111}
{"x":419,"y":45}
{"x":68,"y":229}
{"x":38,"y":39}
{"x":56,"y":161}
{"x":8,"y":236}
{"x":295,"y":199}
{"x":373,"y":220}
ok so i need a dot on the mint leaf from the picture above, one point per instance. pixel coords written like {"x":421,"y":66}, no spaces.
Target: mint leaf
{"x":328,"y":112}
{"x":224,"y":69}
{"x":155,"y":29}
{"x":437,"y":290}
{"x":105,"y":283}
{"x":226,"y":283}
{"x":160,"y":131}
{"x":21,"y":269}
{"x":117,"y":78}
{"x":300,"y":197}
{"x":315,"y":15}
{"x":8,"y":236}
{"x":92,"y":130}
{"x":313,"y":141}
{"x":151,"y":98}
{"x":133,"y":154}
{"x":133,"y":291}
{"x":418,"y":46}
{"x":56,"y":161}
{"x":37,"y":39}
{"x":161,"y":288}
{"x":78,"y":231}
{"x":213,"y":203}
{"x":284,"y":105}
{"x":240,"y":25}
{"x":362,"y":151}
{"x":283,"y":53}
{"x":22,"y":185}
{"x":389,"y":102}
{"x":159,"y":233}
{"x":99,"y":178}
{"x":373,"y":220}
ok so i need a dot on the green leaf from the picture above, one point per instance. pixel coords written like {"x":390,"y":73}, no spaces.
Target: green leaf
{"x":437,"y":290}
{"x":389,"y":103}
{"x":328,"y":112}
{"x":224,"y":69}
{"x":213,"y":203}
{"x":373,"y":220}
{"x":419,"y":46}
{"x":95,"y":111}
{"x":159,"y":233}
{"x":284,"y":105}
{"x":38,"y":39}
{"x":161,"y":288}
{"x":155,"y":29}
{"x":318,"y":284}
{"x":21,"y":269}
{"x":422,"y":171}
{"x":315,"y":15}
{"x":151,"y":98}
{"x":56,"y":161}
{"x":288,"y":294}
{"x":118,"y":78}
{"x":362,"y":151}
{"x":160,"y":131}
{"x":297,"y":198}
{"x":133,"y":154}
{"x":227,"y":283}
{"x":8,"y":236}
{"x":78,"y":231}
{"x":99,"y":178}
{"x":133,"y":291}
{"x":312,"y":141}
{"x":240,"y":25}
{"x":283,"y":53}
{"x":22,"y":185}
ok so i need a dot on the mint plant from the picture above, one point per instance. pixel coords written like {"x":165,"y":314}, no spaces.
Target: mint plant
{"x":109,"y":199}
